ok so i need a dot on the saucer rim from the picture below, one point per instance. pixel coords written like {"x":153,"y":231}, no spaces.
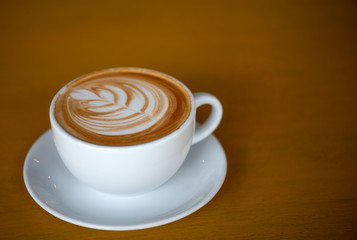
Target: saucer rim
{"x":208,"y":197}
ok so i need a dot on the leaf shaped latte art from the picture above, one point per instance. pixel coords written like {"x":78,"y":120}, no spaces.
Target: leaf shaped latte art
{"x":119,"y":109}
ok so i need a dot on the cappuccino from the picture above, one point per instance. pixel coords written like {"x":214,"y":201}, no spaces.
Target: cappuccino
{"x":122,"y":106}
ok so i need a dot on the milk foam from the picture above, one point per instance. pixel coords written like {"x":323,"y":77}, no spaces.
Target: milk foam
{"x":110,"y":112}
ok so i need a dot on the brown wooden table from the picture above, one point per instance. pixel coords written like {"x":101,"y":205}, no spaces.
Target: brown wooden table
{"x":285,"y":71}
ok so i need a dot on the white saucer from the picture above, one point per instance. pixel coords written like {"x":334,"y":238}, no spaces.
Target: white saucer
{"x":54,"y":188}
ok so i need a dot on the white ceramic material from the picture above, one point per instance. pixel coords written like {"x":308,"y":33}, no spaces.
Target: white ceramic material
{"x":56,"y":190}
{"x":138,"y":168}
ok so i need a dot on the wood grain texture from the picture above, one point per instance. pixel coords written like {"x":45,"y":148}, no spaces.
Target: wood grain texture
{"x":285,"y":71}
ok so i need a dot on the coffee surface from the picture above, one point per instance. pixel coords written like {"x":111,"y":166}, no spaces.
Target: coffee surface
{"x":123,"y":106}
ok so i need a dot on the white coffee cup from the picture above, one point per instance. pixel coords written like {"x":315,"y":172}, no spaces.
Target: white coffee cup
{"x":136,"y":168}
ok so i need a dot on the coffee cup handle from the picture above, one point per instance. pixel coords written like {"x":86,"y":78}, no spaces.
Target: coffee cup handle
{"x":204,"y":130}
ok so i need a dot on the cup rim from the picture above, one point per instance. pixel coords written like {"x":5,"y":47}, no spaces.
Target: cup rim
{"x":165,"y":138}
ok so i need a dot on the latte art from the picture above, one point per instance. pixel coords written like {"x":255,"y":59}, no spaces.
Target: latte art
{"x":122,"y":107}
